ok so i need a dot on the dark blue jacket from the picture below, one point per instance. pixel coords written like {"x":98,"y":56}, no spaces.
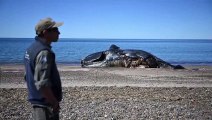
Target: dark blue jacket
{"x":34,"y":95}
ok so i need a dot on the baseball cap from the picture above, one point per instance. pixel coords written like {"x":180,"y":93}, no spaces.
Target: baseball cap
{"x":45,"y":24}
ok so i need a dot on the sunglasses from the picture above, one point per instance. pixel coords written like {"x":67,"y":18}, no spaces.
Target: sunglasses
{"x":55,"y":29}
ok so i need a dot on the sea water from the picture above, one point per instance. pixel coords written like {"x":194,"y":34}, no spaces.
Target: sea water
{"x":71,"y":51}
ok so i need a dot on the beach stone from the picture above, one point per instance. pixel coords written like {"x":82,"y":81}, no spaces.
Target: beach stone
{"x":100,"y":103}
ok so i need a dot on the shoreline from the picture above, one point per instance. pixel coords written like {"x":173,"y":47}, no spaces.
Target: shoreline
{"x":116,"y":93}
{"x":78,"y":64}
{"x":71,"y":76}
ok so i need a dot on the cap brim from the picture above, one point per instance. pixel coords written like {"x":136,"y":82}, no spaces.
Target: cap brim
{"x":58,"y":24}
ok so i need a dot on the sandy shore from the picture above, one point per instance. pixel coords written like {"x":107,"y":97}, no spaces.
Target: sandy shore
{"x":193,"y":76}
{"x":117,"y":93}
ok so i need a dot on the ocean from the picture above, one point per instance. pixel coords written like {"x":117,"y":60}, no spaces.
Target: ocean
{"x":71,"y":51}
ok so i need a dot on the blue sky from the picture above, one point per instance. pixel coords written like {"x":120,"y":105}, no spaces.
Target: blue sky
{"x":137,"y":19}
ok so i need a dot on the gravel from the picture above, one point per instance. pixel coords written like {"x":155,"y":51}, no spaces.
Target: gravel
{"x":115,"y":103}
{"x":102,"y":94}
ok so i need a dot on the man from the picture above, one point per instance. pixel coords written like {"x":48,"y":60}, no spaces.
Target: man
{"x":42,"y":76}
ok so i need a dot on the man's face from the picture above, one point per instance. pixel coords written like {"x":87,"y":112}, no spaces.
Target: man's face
{"x":53,"y":34}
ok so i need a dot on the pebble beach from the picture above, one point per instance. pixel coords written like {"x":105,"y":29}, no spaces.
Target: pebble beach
{"x":116,"y":93}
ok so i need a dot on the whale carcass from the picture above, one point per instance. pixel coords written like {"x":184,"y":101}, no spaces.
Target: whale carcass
{"x":116,"y":57}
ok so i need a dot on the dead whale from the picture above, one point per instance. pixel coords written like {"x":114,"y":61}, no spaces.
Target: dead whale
{"x":116,"y":57}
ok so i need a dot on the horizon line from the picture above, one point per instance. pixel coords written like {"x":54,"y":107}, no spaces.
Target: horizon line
{"x":117,"y":38}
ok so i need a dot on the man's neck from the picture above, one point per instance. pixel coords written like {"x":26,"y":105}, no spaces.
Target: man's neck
{"x":46,"y":41}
